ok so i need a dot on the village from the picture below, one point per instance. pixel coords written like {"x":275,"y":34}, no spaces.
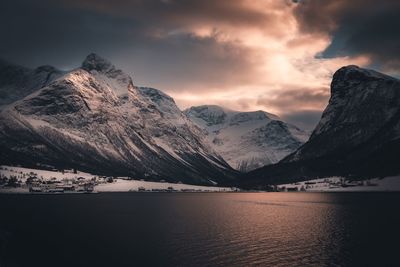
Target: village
{"x":340,"y":184}
{"x":34,"y":181}
{"x":37,"y":181}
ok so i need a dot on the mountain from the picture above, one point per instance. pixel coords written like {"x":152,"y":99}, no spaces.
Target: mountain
{"x":357,"y":136}
{"x":247,"y":140}
{"x":16,"y":82}
{"x":95,"y":119}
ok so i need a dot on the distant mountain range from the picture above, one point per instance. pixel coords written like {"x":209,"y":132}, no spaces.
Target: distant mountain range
{"x":247,"y":140}
{"x":358,"y":135}
{"x":95,"y":119}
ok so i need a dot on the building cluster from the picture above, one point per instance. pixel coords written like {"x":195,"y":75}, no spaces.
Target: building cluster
{"x":323,"y":184}
{"x":35,"y":183}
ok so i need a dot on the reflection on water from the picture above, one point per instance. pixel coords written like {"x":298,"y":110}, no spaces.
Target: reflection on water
{"x":242,"y":229}
{"x":258,"y":229}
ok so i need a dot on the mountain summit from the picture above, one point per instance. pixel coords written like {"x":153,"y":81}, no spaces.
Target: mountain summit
{"x":104,"y":71}
{"x":96,"y":62}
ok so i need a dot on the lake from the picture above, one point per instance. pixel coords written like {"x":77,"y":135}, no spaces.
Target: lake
{"x":200,"y":229}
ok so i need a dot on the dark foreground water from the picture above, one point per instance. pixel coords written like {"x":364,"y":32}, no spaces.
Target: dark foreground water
{"x":203,"y":229}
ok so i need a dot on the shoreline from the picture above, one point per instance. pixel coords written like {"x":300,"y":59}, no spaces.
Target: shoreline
{"x":14,"y":192}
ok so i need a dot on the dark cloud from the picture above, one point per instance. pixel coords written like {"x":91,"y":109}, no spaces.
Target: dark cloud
{"x":295,"y":99}
{"x":300,"y":107}
{"x":357,"y":27}
{"x":185,"y":62}
{"x":146,"y":38}
{"x":170,"y":13}
{"x":41,"y":32}
{"x":305,"y":119}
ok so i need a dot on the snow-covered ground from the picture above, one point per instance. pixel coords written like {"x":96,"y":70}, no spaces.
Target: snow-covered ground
{"x":119,"y":184}
{"x":339,"y":184}
{"x":23,"y":173}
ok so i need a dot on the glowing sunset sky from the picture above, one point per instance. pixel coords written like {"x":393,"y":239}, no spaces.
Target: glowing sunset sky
{"x":274,"y":55}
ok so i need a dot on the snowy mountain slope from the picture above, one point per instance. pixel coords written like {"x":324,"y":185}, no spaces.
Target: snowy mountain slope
{"x":16,"y":82}
{"x":95,"y":119}
{"x":247,"y":140}
{"x":357,"y":136}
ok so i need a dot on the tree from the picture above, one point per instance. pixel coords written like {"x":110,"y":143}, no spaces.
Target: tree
{"x":13,"y":181}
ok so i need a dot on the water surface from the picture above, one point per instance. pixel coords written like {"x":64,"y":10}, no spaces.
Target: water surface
{"x":200,"y":229}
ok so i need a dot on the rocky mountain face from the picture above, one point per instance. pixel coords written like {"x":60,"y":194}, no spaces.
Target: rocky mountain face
{"x":247,"y":140}
{"x":358,"y":135}
{"x":16,"y":82}
{"x":364,"y":106}
{"x":95,"y":119}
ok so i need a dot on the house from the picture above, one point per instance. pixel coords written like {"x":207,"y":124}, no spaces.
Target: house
{"x":88,"y":187}
{"x":292,"y":189}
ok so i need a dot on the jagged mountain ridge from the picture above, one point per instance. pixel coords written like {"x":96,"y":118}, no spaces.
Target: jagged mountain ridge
{"x":247,"y":140}
{"x":17,"y":82}
{"x":357,"y":136}
{"x":94,"y":118}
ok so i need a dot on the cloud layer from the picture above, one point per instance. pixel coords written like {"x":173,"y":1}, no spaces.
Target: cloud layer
{"x":357,"y":27}
{"x":276,"y":55}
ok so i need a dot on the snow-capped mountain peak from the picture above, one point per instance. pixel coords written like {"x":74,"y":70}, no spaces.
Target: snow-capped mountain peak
{"x":106,"y":72}
{"x":161,"y":101}
{"x":208,"y":114}
{"x":96,"y":62}
{"x":247,"y":140}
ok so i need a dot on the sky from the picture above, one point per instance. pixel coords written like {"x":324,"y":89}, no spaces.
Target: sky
{"x":272,"y":55}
